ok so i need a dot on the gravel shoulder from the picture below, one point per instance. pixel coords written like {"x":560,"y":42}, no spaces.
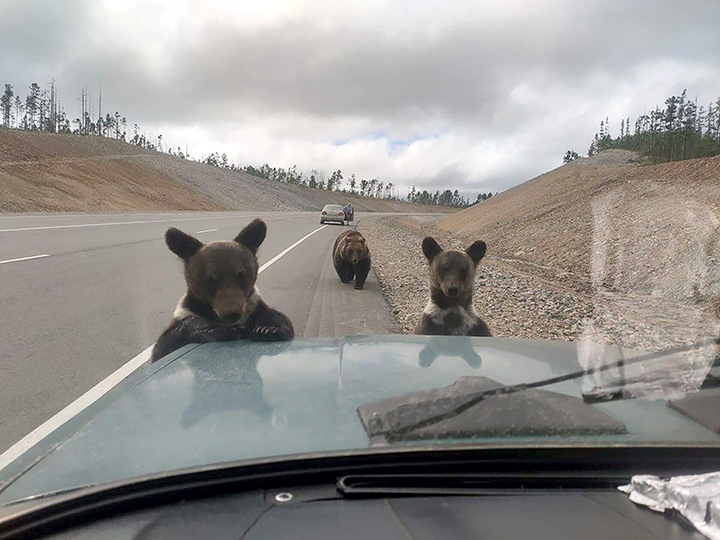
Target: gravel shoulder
{"x":520,"y":300}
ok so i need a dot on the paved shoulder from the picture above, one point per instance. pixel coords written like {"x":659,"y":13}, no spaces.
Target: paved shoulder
{"x":309,"y":291}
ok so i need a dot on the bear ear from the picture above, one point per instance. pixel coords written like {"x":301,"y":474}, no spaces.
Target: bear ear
{"x":253,"y":235}
{"x":431,"y":248}
{"x":181,"y":244}
{"x":477,"y":251}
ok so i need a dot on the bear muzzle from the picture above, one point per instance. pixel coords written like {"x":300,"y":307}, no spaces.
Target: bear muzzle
{"x":230,"y":305}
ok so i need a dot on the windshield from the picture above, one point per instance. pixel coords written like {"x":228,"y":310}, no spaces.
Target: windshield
{"x":519,"y":204}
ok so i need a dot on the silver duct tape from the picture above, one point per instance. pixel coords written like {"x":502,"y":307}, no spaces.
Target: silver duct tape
{"x":696,"y":497}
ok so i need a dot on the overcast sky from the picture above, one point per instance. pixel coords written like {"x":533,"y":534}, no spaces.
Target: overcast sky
{"x":478,"y":95}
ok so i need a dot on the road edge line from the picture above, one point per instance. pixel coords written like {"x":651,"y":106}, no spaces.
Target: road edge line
{"x":73,"y":409}
{"x":25,"y":258}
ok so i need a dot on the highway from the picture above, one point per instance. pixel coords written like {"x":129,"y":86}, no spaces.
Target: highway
{"x":83,"y":294}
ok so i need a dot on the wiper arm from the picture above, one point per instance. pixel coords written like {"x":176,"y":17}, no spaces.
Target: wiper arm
{"x":395,"y":433}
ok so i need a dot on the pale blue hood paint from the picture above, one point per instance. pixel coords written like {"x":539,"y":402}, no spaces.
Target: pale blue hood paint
{"x":225,"y":402}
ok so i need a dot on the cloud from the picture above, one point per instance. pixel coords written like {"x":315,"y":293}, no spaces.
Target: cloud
{"x":480,"y":97}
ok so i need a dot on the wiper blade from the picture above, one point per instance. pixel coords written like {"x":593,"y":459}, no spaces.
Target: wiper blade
{"x":396,"y":433}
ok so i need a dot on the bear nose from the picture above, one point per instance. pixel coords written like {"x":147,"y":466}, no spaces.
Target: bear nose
{"x":452,"y":292}
{"x":232,"y":317}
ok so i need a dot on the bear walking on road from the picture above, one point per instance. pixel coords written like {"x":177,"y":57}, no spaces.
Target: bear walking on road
{"x":351,"y":257}
{"x":450,"y":310}
{"x":221,"y":302}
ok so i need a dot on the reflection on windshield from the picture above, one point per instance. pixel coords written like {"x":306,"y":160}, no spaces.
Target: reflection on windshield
{"x":442,"y":414}
{"x":461,"y":346}
{"x":645,"y":272}
{"x":237,"y":386}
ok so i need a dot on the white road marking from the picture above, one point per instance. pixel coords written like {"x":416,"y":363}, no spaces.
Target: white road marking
{"x":206,"y":230}
{"x":62,"y":215}
{"x":276,"y":257}
{"x":113,"y":223}
{"x":80,"y":404}
{"x":99,"y":390}
{"x":25,"y":258}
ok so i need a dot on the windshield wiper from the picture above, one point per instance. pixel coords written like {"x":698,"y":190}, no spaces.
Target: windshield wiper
{"x":396,"y":433}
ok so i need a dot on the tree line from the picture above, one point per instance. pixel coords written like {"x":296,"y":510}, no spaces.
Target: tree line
{"x":445,"y":198}
{"x":679,"y":130}
{"x":41,"y":110}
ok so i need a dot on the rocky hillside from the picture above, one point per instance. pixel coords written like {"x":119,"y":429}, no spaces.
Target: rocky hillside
{"x":609,"y":224}
{"x":47,"y":173}
{"x":605,"y":247}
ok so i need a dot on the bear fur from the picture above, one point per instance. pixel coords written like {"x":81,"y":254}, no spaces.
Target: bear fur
{"x":450,"y":310}
{"x":221,"y":302}
{"x":351,"y":257}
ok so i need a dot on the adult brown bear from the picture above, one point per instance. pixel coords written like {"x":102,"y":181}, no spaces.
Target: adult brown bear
{"x":351,"y":257}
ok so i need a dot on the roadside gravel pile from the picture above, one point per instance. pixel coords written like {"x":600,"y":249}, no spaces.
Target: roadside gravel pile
{"x":518,"y":300}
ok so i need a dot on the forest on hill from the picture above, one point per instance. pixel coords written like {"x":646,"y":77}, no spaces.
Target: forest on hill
{"x":681,"y":129}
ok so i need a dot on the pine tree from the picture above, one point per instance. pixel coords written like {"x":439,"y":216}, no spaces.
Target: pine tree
{"x":6,"y":102}
{"x":373,"y":185}
{"x":570,"y":156}
{"x":32,"y":104}
{"x":364,"y":184}
{"x":19,"y":111}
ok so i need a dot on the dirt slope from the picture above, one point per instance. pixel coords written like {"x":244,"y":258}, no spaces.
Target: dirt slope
{"x":43,"y":172}
{"x":609,"y":224}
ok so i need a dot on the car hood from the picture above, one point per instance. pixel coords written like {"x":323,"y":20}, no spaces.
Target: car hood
{"x":223,"y":402}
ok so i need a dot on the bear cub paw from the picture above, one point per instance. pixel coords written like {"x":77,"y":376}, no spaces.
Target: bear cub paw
{"x":270,"y":333}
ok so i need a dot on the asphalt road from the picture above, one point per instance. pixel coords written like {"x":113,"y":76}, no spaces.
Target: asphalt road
{"x":80,"y":295}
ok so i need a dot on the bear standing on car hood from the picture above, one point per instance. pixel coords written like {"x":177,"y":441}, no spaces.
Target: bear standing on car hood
{"x":221,"y":302}
{"x":450,"y":310}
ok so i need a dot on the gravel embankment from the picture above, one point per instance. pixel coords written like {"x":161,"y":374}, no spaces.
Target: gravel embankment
{"x":517,"y":302}
{"x":607,"y":222}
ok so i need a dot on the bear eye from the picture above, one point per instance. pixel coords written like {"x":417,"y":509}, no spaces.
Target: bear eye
{"x":211,"y":284}
{"x":240,"y":275}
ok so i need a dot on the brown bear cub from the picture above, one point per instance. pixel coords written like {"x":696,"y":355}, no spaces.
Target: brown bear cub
{"x":450,"y":310}
{"x":351,"y":257}
{"x":221,"y":302}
